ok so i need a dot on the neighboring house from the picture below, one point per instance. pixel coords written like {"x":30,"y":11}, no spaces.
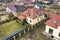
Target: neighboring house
{"x":39,"y":5}
{"x":25,"y":2}
{"x":6,"y":1}
{"x":55,"y":1}
{"x":29,"y":1}
{"x":32,"y":16}
{"x":51,"y":1}
{"x":9,"y":1}
{"x":1,"y":1}
{"x":39,"y":0}
{"x":15,"y":8}
{"x":46,"y":1}
{"x":58,"y":3}
{"x":53,"y":27}
{"x":4,"y":17}
{"x":10,"y":8}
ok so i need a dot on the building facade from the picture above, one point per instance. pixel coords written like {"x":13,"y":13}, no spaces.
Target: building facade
{"x":53,"y":27}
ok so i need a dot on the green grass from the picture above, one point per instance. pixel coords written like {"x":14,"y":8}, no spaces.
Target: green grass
{"x":9,"y":28}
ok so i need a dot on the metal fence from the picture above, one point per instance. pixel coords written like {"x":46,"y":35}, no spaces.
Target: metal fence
{"x":14,"y":34}
{"x":21,"y":32}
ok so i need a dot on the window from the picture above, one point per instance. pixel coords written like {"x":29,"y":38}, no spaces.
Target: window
{"x":52,"y":36}
{"x":37,"y":19}
{"x":41,"y":17}
{"x":30,"y":20}
{"x":50,"y":31}
{"x":59,"y":34}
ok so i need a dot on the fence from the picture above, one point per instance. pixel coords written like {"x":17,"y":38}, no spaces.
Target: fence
{"x":21,"y":32}
{"x":14,"y":35}
{"x":18,"y":33}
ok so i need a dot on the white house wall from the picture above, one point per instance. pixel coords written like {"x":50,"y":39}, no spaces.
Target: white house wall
{"x":36,"y":6}
{"x":3,"y":18}
{"x":56,"y":31}
{"x":34,"y":21}
{"x":8,"y":10}
{"x":18,"y":0}
{"x":28,"y":20}
{"x":33,"y":0}
{"x":14,"y":13}
{"x":45,"y":1}
{"x":58,"y":3}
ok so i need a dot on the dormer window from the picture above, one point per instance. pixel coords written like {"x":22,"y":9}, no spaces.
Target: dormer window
{"x":54,"y":21}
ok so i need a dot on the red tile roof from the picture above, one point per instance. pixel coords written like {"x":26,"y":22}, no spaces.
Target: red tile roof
{"x":53,"y":15}
{"x":21,"y":17}
{"x":33,"y":12}
{"x":52,"y":23}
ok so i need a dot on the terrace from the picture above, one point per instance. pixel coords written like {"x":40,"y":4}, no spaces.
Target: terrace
{"x":9,"y":28}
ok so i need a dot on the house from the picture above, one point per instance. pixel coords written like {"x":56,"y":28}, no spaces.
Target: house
{"x":39,"y":5}
{"x":51,"y":1}
{"x":58,"y":3}
{"x":1,"y":1}
{"x":25,"y":2}
{"x":32,"y":16}
{"x":39,"y":0}
{"x":15,"y":8}
{"x":10,"y":8}
{"x":55,"y":1}
{"x":6,"y":1}
{"x":53,"y":27}
{"x":9,"y":1}
{"x":3,"y":17}
{"x":6,"y":17}
{"x":45,"y":1}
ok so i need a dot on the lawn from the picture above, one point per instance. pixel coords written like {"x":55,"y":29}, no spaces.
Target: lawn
{"x":9,"y":28}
